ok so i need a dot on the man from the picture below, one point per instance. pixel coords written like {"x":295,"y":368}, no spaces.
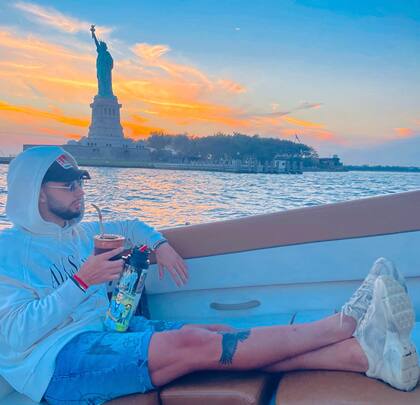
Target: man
{"x":52,"y":341}
{"x":117,"y":307}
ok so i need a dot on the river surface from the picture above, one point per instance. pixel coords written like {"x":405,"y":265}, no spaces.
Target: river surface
{"x":174,"y":197}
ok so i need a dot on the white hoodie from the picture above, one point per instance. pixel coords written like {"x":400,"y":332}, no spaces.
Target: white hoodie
{"x":41,"y":309}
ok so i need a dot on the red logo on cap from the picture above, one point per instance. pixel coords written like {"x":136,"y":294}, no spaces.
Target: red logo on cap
{"x":65,"y":162}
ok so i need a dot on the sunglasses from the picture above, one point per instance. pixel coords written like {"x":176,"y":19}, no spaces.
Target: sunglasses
{"x":71,"y":186}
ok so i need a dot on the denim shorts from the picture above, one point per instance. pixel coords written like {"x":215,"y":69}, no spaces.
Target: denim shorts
{"x":95,"y":367}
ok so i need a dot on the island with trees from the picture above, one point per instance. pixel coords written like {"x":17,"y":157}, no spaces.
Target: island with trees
{"x":238,"y":153}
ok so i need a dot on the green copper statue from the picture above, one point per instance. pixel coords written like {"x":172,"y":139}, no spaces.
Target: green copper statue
{"x":104,"y":65}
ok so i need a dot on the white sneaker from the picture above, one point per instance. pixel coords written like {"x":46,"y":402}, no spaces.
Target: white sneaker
{"x":384,"y":336}
{"x":385,"y":267}
{"x":359,"y":302}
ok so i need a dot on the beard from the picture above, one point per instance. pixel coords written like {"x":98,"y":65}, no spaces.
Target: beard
{"x":64,"y":212}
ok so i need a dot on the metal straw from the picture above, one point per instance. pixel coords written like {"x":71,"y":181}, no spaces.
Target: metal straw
{"x":101,"y":224}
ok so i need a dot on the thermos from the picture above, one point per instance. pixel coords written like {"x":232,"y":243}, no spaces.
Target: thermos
{"x":128,"y":290}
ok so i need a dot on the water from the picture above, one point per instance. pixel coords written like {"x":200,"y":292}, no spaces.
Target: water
{"x":165,"y":198}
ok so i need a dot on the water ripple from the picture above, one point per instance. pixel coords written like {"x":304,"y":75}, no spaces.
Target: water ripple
{"x":173,"y":197}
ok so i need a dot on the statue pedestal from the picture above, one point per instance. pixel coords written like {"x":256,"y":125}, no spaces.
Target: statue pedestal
{"x":105,"y":128}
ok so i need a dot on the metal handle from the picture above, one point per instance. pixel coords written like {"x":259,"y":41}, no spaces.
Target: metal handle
{"x":235,"y":307}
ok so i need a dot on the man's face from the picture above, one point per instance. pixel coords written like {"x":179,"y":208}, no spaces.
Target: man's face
{"x":60,"y":203}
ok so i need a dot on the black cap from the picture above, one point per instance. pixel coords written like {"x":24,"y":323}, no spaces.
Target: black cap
{"x":65,"y":169}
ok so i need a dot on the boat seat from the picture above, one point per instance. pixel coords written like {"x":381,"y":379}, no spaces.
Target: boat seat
{"x":151,"y":398}
{"x":220,"y":388}
{"x":8,"y":396}
{"x":339,"y":387}
{"x":209,"y":387}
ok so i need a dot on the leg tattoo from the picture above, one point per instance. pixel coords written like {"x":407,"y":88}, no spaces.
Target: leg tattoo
{"x":230,"y":344}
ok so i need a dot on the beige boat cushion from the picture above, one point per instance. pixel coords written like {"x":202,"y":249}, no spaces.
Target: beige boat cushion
{"x":151,"y":398}
{"x":350,"y":219}
{"x":219,"y":388}
{"x":339,"y":388}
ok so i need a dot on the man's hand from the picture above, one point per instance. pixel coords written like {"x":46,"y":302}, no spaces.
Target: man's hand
{"x":99,"y":269}
{"x":166,"y":257}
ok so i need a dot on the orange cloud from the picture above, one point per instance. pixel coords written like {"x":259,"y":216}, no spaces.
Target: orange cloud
{"x":404,"y":132}
{"x":150,"y":53}
{"x":37,"y":47}
{"x":319,"y":135}
{"x":231,"y":86}
{"x":53,"y":18}
{"x":137,"y":131}
{"x":157,"y":94}
{"x":175,"y":97}
{"x":301,"y":123}
{"x":57,"y":80}
{"x":60,"y":133}
{"x":33,"y":112}
{"x":11,"y":65}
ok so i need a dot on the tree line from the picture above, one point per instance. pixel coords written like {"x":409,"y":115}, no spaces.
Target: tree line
{"x":224,"y":147}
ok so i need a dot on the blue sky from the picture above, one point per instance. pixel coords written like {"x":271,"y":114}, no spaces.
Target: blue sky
{"x":343,"y":75}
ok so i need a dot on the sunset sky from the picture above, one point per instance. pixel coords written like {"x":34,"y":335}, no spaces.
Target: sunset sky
{"x":343,"y":75}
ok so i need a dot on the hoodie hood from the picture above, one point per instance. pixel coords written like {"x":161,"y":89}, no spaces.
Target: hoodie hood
{"x":24,"y":180}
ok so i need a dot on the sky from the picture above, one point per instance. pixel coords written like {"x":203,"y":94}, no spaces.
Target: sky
{"x":342,"y":75}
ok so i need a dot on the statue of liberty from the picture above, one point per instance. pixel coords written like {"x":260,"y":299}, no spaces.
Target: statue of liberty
{"x":104,"y":65}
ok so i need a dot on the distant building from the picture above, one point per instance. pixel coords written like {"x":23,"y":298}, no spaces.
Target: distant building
{"x":279,"y":164}
{"x":332,"y":163}
{"x":286,"y":163}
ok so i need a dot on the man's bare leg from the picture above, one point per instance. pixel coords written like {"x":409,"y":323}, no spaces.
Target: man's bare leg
{"x":216,"y":327}
{"x":346,"y":355}
{"x":175,"y":353}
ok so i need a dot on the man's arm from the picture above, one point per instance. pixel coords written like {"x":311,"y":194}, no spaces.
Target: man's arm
{"x":25,"y":319}
{"x":135,"y":231}
{"x":139,"y":233}
{"x":166,"y":257}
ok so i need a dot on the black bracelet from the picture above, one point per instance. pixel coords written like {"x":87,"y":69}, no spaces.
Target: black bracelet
{"x":160,"y":243}
{"x":77,"y":283}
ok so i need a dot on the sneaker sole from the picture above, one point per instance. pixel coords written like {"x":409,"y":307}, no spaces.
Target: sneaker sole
{"x":400,"y":322}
